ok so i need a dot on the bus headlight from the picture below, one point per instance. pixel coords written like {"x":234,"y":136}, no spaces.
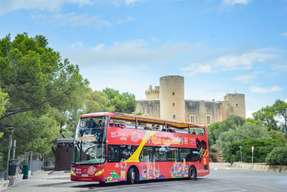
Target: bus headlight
{"x":99,"y":172}
{"x":73,"y":171}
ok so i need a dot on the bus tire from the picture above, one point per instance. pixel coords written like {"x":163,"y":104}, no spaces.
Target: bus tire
{"x":133,"y":175}
{"x":192,"y":173}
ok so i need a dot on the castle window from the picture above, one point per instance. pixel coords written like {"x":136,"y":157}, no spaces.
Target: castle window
{"x":173,"y":116}
{"x":173,"y":93}
{"x":208,"y":119}
{"x":173,"y":104}
{"x":236,"y":104}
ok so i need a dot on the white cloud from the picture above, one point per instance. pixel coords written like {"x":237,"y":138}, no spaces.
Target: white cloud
{"x":284,"y":34}
{"x":236,"y":2}
{"x":130,"y":53}
{"x":197,"y":68}
{"x":244,"y":61}
{"x":51,"y":5}
{"x":54,"y":5}
{"x":264,"y":90}
{"x":244,"y":78}
{"x":125,"y":2}
{"x":73,"y":19}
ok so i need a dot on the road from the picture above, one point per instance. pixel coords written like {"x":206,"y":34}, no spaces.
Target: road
{"x":217,"y":181}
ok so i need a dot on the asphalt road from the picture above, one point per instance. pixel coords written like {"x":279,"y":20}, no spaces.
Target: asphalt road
{"x":217,"y":181}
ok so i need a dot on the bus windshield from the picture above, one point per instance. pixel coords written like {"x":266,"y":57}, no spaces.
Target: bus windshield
{"x":90,"y":140}
{"x":91,"y":129}
{"x":89,"y":153}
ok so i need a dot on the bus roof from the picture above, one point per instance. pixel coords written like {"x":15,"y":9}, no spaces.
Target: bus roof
{"x":146,"y":119}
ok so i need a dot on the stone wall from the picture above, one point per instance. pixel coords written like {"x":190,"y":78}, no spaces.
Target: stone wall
{"x":250,"y":166}
{"x":203,"y":112}
{"x":148,"y":108}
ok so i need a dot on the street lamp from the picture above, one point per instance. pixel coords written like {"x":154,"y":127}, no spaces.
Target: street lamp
{"x":252,"y":151}
{"x":240,"y":148}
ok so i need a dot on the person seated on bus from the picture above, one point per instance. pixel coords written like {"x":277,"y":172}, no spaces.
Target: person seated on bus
{"x":100,"y":124}
{"x":156,"y":127}
{"x":90,"y":124}
{"x":171,"y":130}
{"x":147,"y":128}
{"x":111,"y":123}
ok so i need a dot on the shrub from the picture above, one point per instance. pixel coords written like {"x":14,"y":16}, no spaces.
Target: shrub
{"x":278,"y":156}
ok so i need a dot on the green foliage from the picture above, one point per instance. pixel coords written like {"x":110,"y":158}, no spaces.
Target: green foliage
{"x":216,"y":129}
{"x":122,"y":102}
{"x":280,"y":108}
{"x":97,"y":101}
{"x":41,"y":130}
{"x":244,"y":137}
{"x":278,"y":156}
{"x":266,"y":116}
{"x":235,"y":138}
{"x":3,"y":101}
{"x":43,"y":92}
{"x":34,"y":76}
{"x":274,"y":117}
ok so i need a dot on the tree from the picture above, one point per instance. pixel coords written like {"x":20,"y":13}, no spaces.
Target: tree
{"x":216,"y":129}
{"x":34,"y":76}
{"x":274,"y":117}
{"x":245,"y":137}
{"x":97,"y":101}
{"x":278,"y":156}
{"x":3,"y":103}
{"x":266,"y":117}
{"x":280,"y":108}
{"x":122,"y":102}
{"x":43,"y":91}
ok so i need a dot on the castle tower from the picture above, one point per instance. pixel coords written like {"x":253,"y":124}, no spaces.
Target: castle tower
{"x":234,"y":104}
{"x":152,"y":93}
{"x":172,"y":105}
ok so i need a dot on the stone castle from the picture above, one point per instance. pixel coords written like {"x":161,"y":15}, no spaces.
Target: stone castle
{"x":167,"y":102}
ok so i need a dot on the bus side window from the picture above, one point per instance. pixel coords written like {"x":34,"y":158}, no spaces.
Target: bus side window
{"x":113,"y":153}
{"x":130,"y":124}
{"x":146,"y":154}
{"x":126,"y":151}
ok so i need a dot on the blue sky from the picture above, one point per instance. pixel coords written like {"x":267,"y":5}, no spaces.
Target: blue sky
{"x":220,"y":46}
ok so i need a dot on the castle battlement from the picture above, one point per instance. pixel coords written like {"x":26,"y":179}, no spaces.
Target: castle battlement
{"x":152,"y":93}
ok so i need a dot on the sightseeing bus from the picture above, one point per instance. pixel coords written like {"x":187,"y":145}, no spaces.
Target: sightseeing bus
{"x":115,"y":147}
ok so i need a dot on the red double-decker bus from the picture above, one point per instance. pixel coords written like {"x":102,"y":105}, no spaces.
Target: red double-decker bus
{"x":114,"y":147}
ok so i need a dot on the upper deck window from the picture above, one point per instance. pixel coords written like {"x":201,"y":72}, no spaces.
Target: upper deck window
{"x":91,"y":128}
{"x":197,"y":131}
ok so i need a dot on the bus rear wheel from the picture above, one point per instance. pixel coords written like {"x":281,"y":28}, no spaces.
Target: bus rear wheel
{"x":192,"y":173}
{"x":133,"y":176}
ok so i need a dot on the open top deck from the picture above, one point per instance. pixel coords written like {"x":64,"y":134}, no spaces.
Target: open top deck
{"x":145,"y":119}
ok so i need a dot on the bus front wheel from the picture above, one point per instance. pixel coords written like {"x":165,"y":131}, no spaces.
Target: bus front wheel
{"x":133,"y":176}
{"x":192,"y":173}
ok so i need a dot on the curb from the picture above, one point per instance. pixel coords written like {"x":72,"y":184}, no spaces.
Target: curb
{"x":4,"y":185}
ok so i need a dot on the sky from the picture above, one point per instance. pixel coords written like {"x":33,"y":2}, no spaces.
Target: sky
{"x":219,"y":46}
